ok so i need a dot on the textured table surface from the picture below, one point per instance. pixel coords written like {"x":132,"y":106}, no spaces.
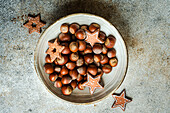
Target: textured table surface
{"x":144,"y":25}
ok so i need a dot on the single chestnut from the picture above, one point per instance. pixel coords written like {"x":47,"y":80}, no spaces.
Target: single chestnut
{"x":97,"y":58}
{"x":82,"y":45}
{"x":92,"y":69}
{"x":80,"y":86}
{"x":48,"y":59}
{"x":66,"y":79}
{"x":111,"y":53}
{"x":88,"y":58}
{"x":64,"y":70}
{"x":102,"y":35}
{"x":94,"y":27}
{"x":88,"y":49}
{"x":73,"y":28}
{"x":107,"y":69}
{"x":53,"y":77}
{"x":113,"y":62}
{"x":74,"y":56}
{"x":73,"y":84}
{"x":74,"y":47}
{"x":64,"y":28}
{"x":58,"y":83}
{"x":104,"y":59}
{"x":80,"y":34}
{"x":48,"y":68}
{"x":110,"y":41}
{"x":97,"y":48}
{"x":63,"y":60}
{"x":79,"y":78}
{"x":71,"y":65}
{"x":57,"y":69}
{"x":80,"y":62}
{"x":104,"y":50}
{"x":84,"y":27}
{"x":64,"y":37}
{"x":66,"y":50}
{"x":73,"y":74}
{"x":82,"y":70}
{"x":66,"y":90}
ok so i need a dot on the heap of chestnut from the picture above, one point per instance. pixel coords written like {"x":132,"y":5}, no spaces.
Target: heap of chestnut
{"x":79,"y":58}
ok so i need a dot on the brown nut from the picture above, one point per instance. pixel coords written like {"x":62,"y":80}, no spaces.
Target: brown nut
{"x":111,"y":53}
{"x":97,"y":48}
{"x":92,"y":69}
{"x":104,"y":59}
{"x":107,"y":69}
{"x":80,"y":34}
{"x":84,"y":27}
{"x":48,"y":68}
{"x":64,"y":71}
{"x":66,"y":79}
{"x":82,"y":45}
{"x":73,"y":28}
{"x":64,"y":37}
{"x":74,"y":46}
{"x":63,"y":60}
{"x":97,"y":58}
{"x":88,"y":49}
{"x":88,"y":58}
{"x":102,"y":35}
{"x":73,"y":74}
{"x":80,"y":86}
{"x":57,"y":69}
{"x":80,"y":62}
{"x":79,"y":78}
{"x":66,"y":90}
{"x":71,"y":65}
{"x":74,"y":56}
{"x":113,"y":62}
{"x":82,"y":70}
{"x":53,"y":77}
{"x":104,"y":50}
{"x":94,"y":27}
{"x":48,"y":59}
{"x":66,"y":50}
{"x":58,"y":83}
{"x":110,"y":41}
{"x":73,"y":84}
{"x":64,"y":28}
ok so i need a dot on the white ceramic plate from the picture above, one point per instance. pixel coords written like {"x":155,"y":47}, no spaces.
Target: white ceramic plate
{"x":111,"y":81}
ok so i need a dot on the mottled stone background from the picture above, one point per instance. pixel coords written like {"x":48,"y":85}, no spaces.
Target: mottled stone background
{"x":144,"y":25}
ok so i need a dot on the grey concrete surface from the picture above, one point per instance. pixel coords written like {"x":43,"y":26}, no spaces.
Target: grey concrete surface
{"x":144,"y":25}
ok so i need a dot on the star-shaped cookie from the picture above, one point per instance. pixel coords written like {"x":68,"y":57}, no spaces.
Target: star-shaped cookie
{"x":93,"y":38}
{"x":54,"y":50}
{"x":120,"y":101}
{"x":92,"y":83}
{"x":34,"y":24}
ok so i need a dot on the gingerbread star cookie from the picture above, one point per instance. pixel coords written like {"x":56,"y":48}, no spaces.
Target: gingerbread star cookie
{"x":54,"y":50}
{"x":121,"y":100}
{"x":34,"y":24}
{"x":92,"y":83}
{"x":93,"y":38}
